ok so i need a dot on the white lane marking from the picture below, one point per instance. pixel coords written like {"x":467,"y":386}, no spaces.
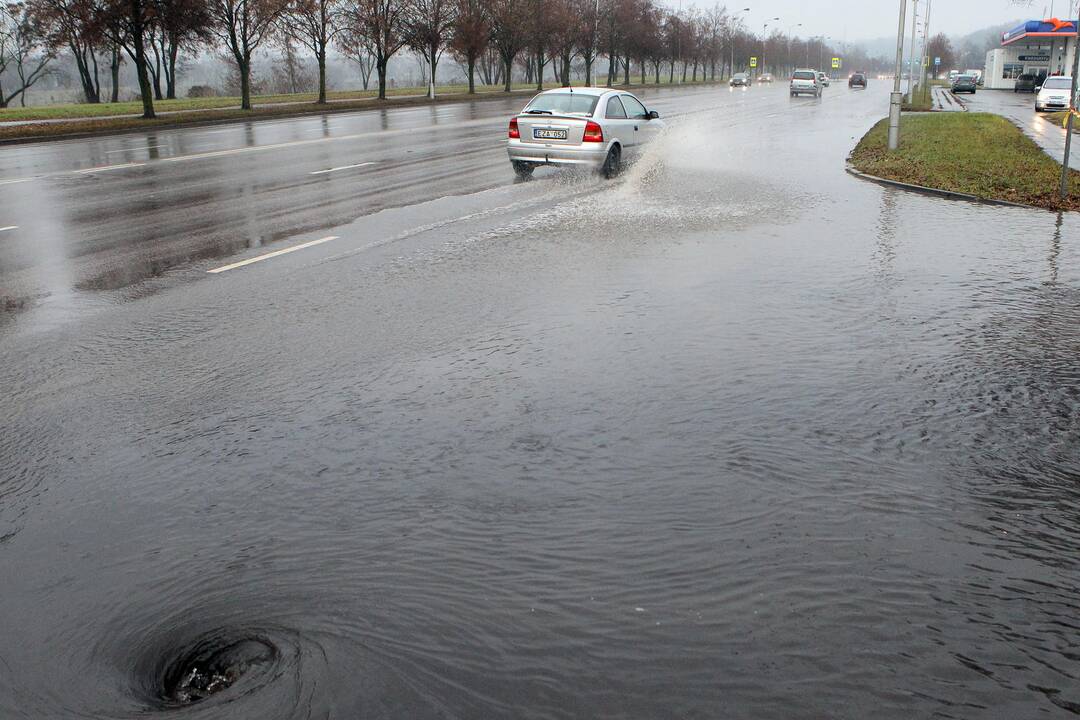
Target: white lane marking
{"x":269,"y":255}
{"x":104,"y":168}
{"x":343,"y":167}
{"x":133,"y":149}
{"x":17,"y":180}
{"x":9,"y":227}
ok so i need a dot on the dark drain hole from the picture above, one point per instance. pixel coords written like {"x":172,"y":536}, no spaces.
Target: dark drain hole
{"x":211,"y":668}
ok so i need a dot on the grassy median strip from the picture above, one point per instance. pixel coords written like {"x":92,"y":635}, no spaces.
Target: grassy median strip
{"x":972,"y":153}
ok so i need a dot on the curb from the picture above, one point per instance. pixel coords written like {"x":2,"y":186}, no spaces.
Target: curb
{"x":937,"y":192}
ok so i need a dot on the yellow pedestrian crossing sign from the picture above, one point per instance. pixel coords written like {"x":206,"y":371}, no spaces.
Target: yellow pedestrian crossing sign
{"x":836,"y":63}
{"x":753,"y":62}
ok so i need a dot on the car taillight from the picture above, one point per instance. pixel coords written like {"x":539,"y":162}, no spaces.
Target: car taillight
{"x":514,"y":134}
{"x":593,"y":133}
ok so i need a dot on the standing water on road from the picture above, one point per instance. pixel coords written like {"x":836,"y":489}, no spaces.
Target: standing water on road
{"x":735,"y":436}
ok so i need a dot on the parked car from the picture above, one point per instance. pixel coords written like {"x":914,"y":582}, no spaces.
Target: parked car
{"x":740,"y":80}
{"x":1026,"y":83}
{"x":857,"y":79}
{"x":1054,"y":94}
{"x":823,"y":79}
{"x":765,"y":78}
{"x":965,"y":83}
{"x":805,"y":82}
{"x":592,"y":127}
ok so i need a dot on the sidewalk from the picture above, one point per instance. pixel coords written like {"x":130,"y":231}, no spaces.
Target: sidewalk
{"x":1020,"y":109}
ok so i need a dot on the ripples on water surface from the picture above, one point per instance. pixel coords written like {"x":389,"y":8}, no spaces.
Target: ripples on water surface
{"x":700,"y":444}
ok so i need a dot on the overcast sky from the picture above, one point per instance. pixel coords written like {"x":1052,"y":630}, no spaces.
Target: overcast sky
{"x":865,"y":19}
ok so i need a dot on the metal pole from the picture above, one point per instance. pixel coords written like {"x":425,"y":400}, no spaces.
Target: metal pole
{"x":911,"y":57}
{"x":897,"y":97}
{"x":1069,"y":122}
{"x":926,"y":43}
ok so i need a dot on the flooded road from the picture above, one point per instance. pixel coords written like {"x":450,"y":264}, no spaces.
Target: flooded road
{"x":736,"y":435}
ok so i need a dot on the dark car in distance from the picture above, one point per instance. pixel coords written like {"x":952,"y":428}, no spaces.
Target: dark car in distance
{"x":965,"y":83}
{"x":857,"y":79}
{"x":1026,"y":83}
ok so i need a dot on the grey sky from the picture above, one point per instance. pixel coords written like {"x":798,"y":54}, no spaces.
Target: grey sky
{"x":865,"y":19}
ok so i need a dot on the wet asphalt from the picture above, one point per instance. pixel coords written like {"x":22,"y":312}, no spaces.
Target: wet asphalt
{"x":735,"y":435}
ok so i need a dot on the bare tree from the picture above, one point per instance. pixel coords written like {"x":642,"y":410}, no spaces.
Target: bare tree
{"x":429,"y":24}
{"x":509,"y":34}
{"x":243,"y":25}
{"x":176,"y":25}
{"x":312,"y":24}
{"x":74,"y":25}
{"x":383,"y":24}
{"x":357,"y":48}
{"x":23,"y":49}
{"x":470,"y":35}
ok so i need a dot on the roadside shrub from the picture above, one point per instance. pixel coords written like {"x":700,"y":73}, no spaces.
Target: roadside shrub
{"x":201,"y":91}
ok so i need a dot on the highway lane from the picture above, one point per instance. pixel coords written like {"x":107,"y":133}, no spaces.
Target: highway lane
{"x":108,"y":213}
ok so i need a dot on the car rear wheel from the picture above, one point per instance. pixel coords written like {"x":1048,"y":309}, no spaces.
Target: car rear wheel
{"x":523,"y":170}
{"x":613,"y":163}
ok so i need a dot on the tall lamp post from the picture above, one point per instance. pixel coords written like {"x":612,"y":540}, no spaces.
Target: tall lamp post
{"x":911,"y":58}
{"x":897,"y":97}
{"x":764,"y":37}
{"x":821,"y":52}
{"x":790,"y":28}
{"x":731,"y":38}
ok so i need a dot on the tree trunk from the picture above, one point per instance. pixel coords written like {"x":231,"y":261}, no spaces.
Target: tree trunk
{"x":322,"y":75}
{"x":433,"y":61}
{"x":611,"y":70}
{"x":244,"y":66}
{"x":139,"y":56}
{"x":671,"y":72}
{"x":626,"y":70}
{"x":382,"y":78}
{"x":114,"y":70}
{"x":472,"y":74}
{"x":508,"y":63}
{"x":85,"y":76}
{"x":540,"y":71}
{"x":170,"y":70}
{"x":588,"y":71}
{"x":684,"y":66}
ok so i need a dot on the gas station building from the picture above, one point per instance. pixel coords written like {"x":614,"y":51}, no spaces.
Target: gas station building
{"x":1038,"y":47}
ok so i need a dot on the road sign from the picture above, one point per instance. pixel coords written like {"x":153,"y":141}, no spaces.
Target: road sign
{"x":937,"y":61}
{"x":753,"y":62}
{"x":836,"y":63}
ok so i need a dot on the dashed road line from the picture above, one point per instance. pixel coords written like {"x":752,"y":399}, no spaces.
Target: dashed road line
{"x":106,"y":168}
{"x":269,"y":255}
{"x":9,"y":227}
{"x":343,"y":167}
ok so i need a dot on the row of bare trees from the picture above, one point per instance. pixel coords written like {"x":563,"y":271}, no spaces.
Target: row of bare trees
{"x":488,"y":38}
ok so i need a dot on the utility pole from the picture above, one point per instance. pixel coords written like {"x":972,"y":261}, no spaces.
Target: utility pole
{"x":911,"y":57}
{"x":1072,"y":110}
{"x":897,"y":97}
{"x":764,"y":35}
{"x":731,"y":35}
{"x":926,"y":42}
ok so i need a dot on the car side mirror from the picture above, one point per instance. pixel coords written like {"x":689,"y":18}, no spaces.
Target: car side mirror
{"x":1038,"y":88}
{"x":653,"y":115}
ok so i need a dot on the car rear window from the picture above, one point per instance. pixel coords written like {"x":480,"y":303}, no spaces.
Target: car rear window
{"x":1058,"y":83}
{"x":804,"y":75}
{"x":964,"y":78}
{"x":568,"y":103}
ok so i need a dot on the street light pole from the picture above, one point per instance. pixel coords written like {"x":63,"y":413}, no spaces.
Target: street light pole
{"x":731,"y":39}
{"x":1072,"y":116}
{"x":764,"y":31}
{"x":911,"y":57}
{"x":897,"y":97}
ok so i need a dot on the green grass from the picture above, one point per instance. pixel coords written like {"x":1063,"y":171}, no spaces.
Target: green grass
{"x":922,"y":101}
{"x":973,"y":153}
{"x":84,"y":110}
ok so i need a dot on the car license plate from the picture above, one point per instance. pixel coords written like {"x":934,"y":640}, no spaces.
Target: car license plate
{"x":541,"y":134}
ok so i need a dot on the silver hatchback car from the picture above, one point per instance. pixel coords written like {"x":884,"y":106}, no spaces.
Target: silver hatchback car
{"x":592,"y":127}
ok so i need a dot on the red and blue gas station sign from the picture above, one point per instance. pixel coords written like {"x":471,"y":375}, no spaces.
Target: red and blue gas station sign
{"x":1049,"y":28}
